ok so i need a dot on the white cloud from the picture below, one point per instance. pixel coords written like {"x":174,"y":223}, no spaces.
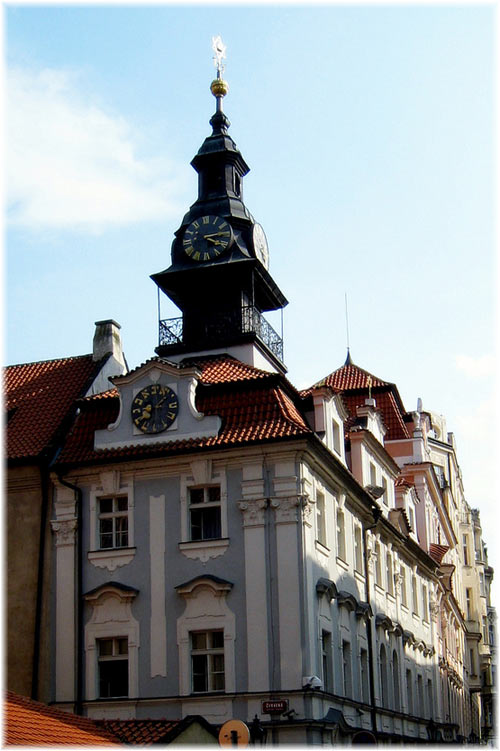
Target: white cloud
{"x":71,"y":165}
{"x":476,"y":367}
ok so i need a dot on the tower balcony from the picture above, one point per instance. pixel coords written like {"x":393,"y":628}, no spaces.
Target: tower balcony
{"x":215,"y":328}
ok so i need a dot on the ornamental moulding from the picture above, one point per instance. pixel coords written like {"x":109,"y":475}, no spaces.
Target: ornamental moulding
{"x":253,"y":511}
{"x":64,"y":531}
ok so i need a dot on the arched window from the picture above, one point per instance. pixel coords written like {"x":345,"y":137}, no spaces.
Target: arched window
{"x":395,"y":681}
{"x":383,"y":677}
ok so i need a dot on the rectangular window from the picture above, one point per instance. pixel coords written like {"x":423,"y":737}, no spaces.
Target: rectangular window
{"x":320,"y":519}
{"x":205,"y":512}
{"x":326,"y":656}
{"x":390,"y":574}
{"x":341,"y":534}
{"x":485,"y":630}
{"x":468,"y":603}
{"x":482,"y":590}
{"x":378,"y":565}
{"x":358,"y":549}
{"x":336,"y":436}
{"x":113,"y":522}
{"x":409,"y":691}
{"x":385,"y":496}
{"x":347,"y":668}
{"x":207,"y":661}
{"x":420,"y":695}
{"x":411,"y":518}
{"x":373,"y":474}
{"x":112,"y":656}
{"x":414,"y":593}
{"x":425,"y":603}
{"x":465,"y":549}
{"x":365,"y":690}
{"x":404,"y":594}
{"x":472,"y":662}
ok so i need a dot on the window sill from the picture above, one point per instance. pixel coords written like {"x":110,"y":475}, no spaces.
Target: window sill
{"x":204,"y":549}
{"x":111,"y":558}
{"x":322,"y":548}
{"x":342,"y":563}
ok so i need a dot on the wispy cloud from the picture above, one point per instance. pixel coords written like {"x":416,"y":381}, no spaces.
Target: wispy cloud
{"x":71,"y":165}
{"x":476,"y":367}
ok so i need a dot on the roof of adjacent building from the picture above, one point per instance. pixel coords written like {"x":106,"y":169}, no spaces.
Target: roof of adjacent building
{"x":146,"y":732}
{"x":254,"y":406}
{"x":354,"y":384}
{"x":39,"y":398}
{"x":30,"y":723}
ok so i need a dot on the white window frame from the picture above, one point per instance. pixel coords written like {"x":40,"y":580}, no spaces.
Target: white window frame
{"x":209,"y":652}
{"x":203,"y":474}
{"x":321,"y":523}
{"x":340,"y":534}
{"x":206,"y":610}
{"x":111,"y":618}
{"x":115,"y":656}
{"x":358,"y":550}
{"x":111,"y":486}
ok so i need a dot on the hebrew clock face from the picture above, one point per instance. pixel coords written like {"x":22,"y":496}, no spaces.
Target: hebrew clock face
{"x":206,"y":238}
{"x":260,"y":245}
{"x":154,"y":408}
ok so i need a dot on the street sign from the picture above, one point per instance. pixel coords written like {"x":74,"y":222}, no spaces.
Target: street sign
{"x":234,"y":733}
{"x":274,"y":706}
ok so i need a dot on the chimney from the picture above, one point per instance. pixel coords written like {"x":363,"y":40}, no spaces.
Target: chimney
{"x":107,"y":340}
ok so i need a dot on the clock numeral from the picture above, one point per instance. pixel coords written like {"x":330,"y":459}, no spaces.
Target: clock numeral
{"x":190,"y":250}
{"x":197,"y":255}
{"x":224,"y":224}
{"x":171,"y":415}
{"x":196,"y":224}
{"x":206,"y":256}
{"x":206,"y":220}
{"x":173,"y":405}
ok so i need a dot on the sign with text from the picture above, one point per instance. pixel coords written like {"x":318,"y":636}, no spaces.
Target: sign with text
{"x":274,"y":706}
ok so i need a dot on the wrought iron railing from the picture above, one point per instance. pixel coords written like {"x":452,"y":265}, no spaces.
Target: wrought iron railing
{"x":248,"y":321}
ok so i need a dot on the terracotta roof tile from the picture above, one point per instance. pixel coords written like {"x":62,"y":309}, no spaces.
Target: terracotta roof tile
{"x":30,"y":723}
{"x":350,"y":377}
{"x":38,"y":397}
{"x":250,"y":412}
{"x":437,"y":552}
{"x":386,"y":403}
{"x":138,"y":732}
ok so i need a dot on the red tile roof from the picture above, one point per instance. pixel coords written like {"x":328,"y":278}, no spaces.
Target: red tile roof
{"x":143,"y":732}
{"x":354,"y":383}
{"x":39,"y":397}
{"x":254,"y":406}
{"x":30,"y":723}
{"x":437,"y":552}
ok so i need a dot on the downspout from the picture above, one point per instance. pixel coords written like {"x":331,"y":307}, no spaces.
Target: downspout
{"x":377,"y":513}
{"x":79,"y":589}
{"x":44,"y":481}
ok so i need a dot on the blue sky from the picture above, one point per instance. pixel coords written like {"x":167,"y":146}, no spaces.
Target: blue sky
{"x":369,"y":131}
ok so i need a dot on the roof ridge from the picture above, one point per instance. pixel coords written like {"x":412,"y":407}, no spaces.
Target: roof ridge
{"x":54,"y":359}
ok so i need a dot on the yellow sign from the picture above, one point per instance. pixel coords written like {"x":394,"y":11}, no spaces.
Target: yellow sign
{"x":234,"y":733}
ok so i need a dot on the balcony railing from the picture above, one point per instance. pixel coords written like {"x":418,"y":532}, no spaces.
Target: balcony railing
{"x":248,"y":320}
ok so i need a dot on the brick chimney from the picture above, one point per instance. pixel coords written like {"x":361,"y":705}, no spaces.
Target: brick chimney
{"x":107,"y":341}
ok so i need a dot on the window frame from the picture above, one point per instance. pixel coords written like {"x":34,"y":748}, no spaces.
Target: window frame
{"x":321,"y":525}
{"x":340,"y":534}
{"x":116,"y":656}
{"x":113,"y":516}
{"x":209,"y":654}
{"x":204,"y":506}
{"x":111,"y":486}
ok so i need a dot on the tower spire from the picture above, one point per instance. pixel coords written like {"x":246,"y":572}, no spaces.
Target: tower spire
{"x":219,"y":87}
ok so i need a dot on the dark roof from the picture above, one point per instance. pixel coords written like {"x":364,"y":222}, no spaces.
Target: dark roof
{"x":39,"y":398}
{"x":147,"y":732}
{"x":31,"y":723}
{"x":254,"y":406}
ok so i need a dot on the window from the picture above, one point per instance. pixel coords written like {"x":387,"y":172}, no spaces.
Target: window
{"x":409,"y":691}
{"x":358,"y":549}
{"x":420,"y":695}
{"x":320,"y":519}
{"x":404,"y":594}
{"x":112,"y":656}
{"x":425,"y":603}
{"x":482,"y":590}
{"x":411,"y":518}
{"x":465,"y":549}
{"x":472,"y":662}
{"x":385,"y":495}
{"x":347,"y":668}
{"x":430,"y":698}
{"x":113,"y":522}
{"x":485,"y":630}
{"x":336,"y":436}
{"x":395,"y":681}
{"x":207,"y":661}
{"x":365,"y":692}
{"x":378,"y":565}
{"x":326,"y":657}
{"x":383,"y":676}
{"x":468,"y":603}
{"x":390,"y":575}
{"x":204,"y":512}
{"x":373,"y":474}
{"x":414,"y":593}
{"x":341,"y":534}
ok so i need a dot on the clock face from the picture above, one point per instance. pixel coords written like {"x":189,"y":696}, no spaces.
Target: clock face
{"x":206,"y":238}
{"x":154,"y":408}
{"x":260,"y":245}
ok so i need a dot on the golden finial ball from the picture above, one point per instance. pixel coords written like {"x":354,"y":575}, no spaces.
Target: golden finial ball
{"x":219,"y":87}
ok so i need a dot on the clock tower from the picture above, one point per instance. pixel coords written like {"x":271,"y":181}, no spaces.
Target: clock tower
{"x":219,"y":274}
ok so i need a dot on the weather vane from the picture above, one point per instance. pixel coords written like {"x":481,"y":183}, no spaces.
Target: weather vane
{"x":219,"y":49}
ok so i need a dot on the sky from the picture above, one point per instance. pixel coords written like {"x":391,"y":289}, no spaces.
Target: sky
{"x":370,"y":134}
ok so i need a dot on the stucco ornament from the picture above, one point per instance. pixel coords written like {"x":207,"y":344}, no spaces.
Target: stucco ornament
{"x":65,"y":531}
{"x":253,"y":511}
